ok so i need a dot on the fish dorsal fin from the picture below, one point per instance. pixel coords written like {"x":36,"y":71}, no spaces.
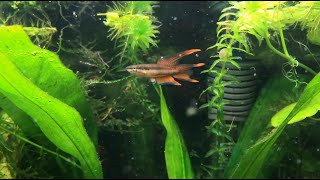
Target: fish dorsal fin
{"x":172,"y":60}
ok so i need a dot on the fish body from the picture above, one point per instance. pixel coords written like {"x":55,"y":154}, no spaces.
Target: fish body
{"x":166,"y":69}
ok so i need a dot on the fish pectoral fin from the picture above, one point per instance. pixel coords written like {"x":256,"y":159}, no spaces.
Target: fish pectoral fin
{"x":185,"y":77}
{"x":153,"y":80}
{"x":198,"y":65}
{"x":167,"y":79}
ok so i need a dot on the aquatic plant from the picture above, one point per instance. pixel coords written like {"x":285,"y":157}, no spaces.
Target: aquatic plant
{"x":31,"y":16}
{"x":276,"y":93}
{"x":36,"y":104}
{"x":128,"y":108}
{"x":308,"y":14}
{"x":132,"y":24}
{"x":253,"y":158}
{"x":223,"y":140}
{"x":133,"y":27}
{"x":176,"y":154}
{"x":264,"y":21}
{"x":8,"y":146}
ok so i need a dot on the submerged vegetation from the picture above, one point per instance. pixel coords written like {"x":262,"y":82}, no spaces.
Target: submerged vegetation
{"x":32,"y":17}
{"x":133,"y":26}
{"x":68,"y":110}
{"x":133,"y":30}
{"x":31,"y":108}
{"x":266,"y":21}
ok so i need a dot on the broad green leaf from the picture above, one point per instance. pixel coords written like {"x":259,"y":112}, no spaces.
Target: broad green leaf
{"x":253,"y":158}
{"x":61,"y":123}
{"x":311,"y":107}
{"x":257,"y":125}
{"x":278,"y":118}
{"x":46,"y":71}
{"x":308,"y":103}
{"x":176,"y":154}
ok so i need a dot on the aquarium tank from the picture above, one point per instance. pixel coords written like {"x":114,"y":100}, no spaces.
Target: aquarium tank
{"x":159,"y":89}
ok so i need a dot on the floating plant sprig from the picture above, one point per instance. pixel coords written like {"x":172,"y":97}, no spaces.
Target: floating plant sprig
{"x":133,"y":25}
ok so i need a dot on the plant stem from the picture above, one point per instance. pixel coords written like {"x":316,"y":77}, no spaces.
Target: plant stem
{"x":283,"y":42}
{"x":289,"y":58}
{"x":124,"y":48}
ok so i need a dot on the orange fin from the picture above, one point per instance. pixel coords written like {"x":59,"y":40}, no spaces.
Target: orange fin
{"x":167,"y":79}
{"x":185,"y":77}
{"x":198,"y":65}
{"x":172,"y":60}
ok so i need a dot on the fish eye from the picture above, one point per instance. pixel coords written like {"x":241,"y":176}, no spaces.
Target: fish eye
{"x":133,"y":69}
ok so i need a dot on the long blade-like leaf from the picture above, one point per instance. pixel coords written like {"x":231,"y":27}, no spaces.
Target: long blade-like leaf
{"x":59,"y":122}
{"x":252,"y":160}
{"x":47,"y":72}
{"x":176,"y":154}
{"x":278,"y":118}
{"x":257,"y":122}
{"x":310,"y":108}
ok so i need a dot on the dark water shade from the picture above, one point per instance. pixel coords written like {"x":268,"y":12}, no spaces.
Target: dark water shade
{"x":137,"y":153}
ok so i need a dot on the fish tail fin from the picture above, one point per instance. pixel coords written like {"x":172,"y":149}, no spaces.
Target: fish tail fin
{"x":198,"y":65}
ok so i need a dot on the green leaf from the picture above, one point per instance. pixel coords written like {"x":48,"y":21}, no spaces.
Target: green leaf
{"x":226,"y":29}
{"x":278,"y":118}
{"x":227,"y":14}
{"x":46,"y":71}
{"x":240,"y":49}
{"x":251,"y":159}
{"x":59,"y":122}
{"x":204,"y":106}
{"x":311,"y":96}
{"x":235,"y":64}
{"x":176,"y":154}
{"x":215,"y":63}
{"x":211,"y":152}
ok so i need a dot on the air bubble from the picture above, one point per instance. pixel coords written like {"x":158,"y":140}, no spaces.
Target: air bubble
{"x":298,"y":161}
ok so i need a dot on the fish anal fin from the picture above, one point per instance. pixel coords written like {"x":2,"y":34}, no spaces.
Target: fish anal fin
{"x":172,"y":60}
{"x":185,"y":76}
{"x":167,"y":79}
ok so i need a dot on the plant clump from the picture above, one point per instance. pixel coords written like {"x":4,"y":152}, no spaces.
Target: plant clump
{"x":134,"y":26}
{"x":265,"y":21}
